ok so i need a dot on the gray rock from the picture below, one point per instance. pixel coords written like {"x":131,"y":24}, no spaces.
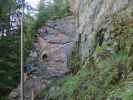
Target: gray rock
{"x":94,"y":15}
{"x":14,"y":94}
{"x":56,"y":49}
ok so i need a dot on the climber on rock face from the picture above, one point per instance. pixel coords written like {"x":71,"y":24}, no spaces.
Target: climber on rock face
{"x":43,"y":31}
{"x":28,"y":68}
{"x":27,"y":71}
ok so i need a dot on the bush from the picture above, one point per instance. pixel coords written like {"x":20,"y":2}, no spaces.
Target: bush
{"x":9,"y":64}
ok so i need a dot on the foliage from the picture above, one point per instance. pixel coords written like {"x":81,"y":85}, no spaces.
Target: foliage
{"x":9,"y":64}
{"x":94,"y":81}
{"x":29,"y":32}
{"x":9,"y":50}
{"x":63,"y":89}
{"x":7,"y":8}
{"x":50,"y":10}
{"x":123,"y":91}
{"x":74,"y":58}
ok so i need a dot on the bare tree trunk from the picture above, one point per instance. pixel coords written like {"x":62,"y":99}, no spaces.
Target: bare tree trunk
{"x":32,"y":95}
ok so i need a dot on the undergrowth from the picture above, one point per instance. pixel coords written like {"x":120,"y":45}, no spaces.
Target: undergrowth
{"x":101,"y":81}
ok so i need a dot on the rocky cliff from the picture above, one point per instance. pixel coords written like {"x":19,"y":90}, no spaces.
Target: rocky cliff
{"x":96,"y":18}
{"x":101,"y":60}
{"x":51,"y":59}
{"x":105,"y":35}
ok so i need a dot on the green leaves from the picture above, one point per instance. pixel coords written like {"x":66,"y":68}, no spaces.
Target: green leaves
{"x":49,"y":10}
{"x":9,"y":64}
{"x":6,"y":8}
{"x":123,"y":91}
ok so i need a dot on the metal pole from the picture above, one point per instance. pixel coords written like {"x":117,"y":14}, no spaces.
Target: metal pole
{"x":22,"y":72}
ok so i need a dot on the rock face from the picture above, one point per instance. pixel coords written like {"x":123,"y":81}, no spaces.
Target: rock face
{"x":93,"y":16}
{"x":65,"y":25}
{"x":51,"y":60}
{"x":56,"y":49}
{"x":98,"y":23}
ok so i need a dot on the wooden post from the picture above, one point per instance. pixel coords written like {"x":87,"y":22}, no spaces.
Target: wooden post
{"x":32,"y":95}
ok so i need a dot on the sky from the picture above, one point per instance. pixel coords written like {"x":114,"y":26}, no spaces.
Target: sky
{"x":33,"y":3}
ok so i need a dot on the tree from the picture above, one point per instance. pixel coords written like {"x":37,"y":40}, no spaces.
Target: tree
{"x":50,"y":10}
{"x":9,"y":11}
{"x":9,"y":48}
